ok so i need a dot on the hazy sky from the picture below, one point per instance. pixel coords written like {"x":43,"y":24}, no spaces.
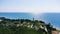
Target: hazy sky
{"x":30,"y":6}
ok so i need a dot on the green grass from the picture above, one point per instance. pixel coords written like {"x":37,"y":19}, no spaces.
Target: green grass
{"x":18,"y":30}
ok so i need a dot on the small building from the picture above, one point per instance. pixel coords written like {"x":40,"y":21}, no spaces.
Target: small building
{"x":59,"y":32}
{"x":54,"y":31}
{"x":1,"y":20}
